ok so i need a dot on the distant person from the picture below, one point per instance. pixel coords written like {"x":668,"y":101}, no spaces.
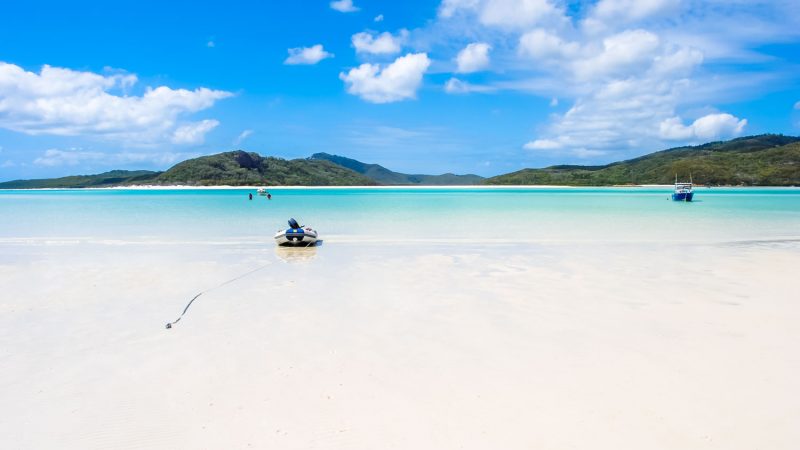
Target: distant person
{"x":269,"y":196}
{"x":251,"y":195}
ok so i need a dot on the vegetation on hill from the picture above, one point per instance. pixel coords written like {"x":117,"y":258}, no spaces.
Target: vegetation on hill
{"x":382,"y":175}
{"x":239,"y":168}
{"x":766,"y":160}
{"x":112,"y":178}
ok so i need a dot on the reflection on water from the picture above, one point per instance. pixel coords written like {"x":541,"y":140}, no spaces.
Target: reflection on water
{"x":296,"y":254}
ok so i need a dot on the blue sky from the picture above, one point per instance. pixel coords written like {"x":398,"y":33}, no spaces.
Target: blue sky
{"x":465,"y":86}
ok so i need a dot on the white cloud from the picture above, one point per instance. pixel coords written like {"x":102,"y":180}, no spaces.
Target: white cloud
{"x":55,"y":157}
{"x":623,"y":68}
{"x":557,"y":148}
{"x":541,"y":44}
{"x":66,"y":102}
{"x":610,"y":12}
{"x":711,"y":126}
{"x":456,"y":86}
{"x":473,"y":57}
{"x":397,"y":81}
{"x":448,"y":8}
{"x":210,"y":44}
{"x":623,"y":91}
{"x":554,"y":102}
{"x":677,"y":64}
{"x":587,"y":153}
{"x":242,"y":136}
{"x":379,"y":44}
{"x":515,"y":14}
{"x":621,"y":52}
{"x":307,"y":55}
{"x":797,"y":105}
{"x":617,"y":115}
{"x":378,"y":18}
{"x":193,"y":133}
{"x":543,"y":144}
{"x":344,"y":6}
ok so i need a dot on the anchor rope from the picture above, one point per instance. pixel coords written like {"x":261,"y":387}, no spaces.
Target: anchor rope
{"x":170,"y":324}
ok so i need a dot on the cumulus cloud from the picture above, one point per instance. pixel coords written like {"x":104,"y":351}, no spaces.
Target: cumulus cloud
{"x":624,"y":87}
{"x":397,"y":81}
{"x":473,"y":57}
{"x":625,"y":70}
{"x":345,"y":6}
{"x":378,"y":18}
{"x":711,"y":126}
{"x":514,"y":14}
{"x":307,"y":55}
{"x":541,"y":44}
{"x":379,"y":44}
{"x":67,"y":102}
{"x":193,"y":133}
{"x":456,"y":86}
{"x":618,"y":114}
{"x":620,"y":53}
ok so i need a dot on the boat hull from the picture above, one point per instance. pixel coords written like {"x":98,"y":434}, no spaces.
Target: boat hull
{"x":683,"y":196}
{"x":296,"y":237}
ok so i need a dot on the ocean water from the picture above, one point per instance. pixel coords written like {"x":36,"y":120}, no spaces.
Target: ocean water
{"x":344,"y":215}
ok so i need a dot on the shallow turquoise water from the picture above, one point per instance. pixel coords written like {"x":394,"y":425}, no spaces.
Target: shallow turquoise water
{"x":399,"y":214}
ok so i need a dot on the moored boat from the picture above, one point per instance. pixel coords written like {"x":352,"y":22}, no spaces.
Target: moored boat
{"x":683,"y":191}
{"x":296,"y":235}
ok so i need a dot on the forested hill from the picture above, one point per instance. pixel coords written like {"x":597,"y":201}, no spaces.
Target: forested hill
{"x":239,"y":168}
{"x":382,"y":175}
{"x":236,"y":168}
{"x":106,"y":179}
{"x":765,"y":160}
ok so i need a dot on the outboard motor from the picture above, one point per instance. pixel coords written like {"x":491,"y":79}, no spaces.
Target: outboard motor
{"x":296,"y":235}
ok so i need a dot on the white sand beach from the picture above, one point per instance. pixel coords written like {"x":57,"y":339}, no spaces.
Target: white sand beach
{"x":545,"y":346}
{"x":537,"y":225}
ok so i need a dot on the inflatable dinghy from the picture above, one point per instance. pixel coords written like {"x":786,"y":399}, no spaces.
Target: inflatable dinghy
{"x":296,"y":235}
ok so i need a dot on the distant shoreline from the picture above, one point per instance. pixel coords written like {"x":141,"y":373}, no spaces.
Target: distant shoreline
{"x":412,"y":187}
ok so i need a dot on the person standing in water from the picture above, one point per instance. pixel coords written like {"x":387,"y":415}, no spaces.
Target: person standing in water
{"x":251,"y":195}
{"x":269,"y":196}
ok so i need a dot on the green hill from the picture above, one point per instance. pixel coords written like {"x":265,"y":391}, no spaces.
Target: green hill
{"x":382,"y":175}
{"x":236,"y":168}
{"x":766,"y":160}
{"x":240,"y":168}
{"x":112,"y":178}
